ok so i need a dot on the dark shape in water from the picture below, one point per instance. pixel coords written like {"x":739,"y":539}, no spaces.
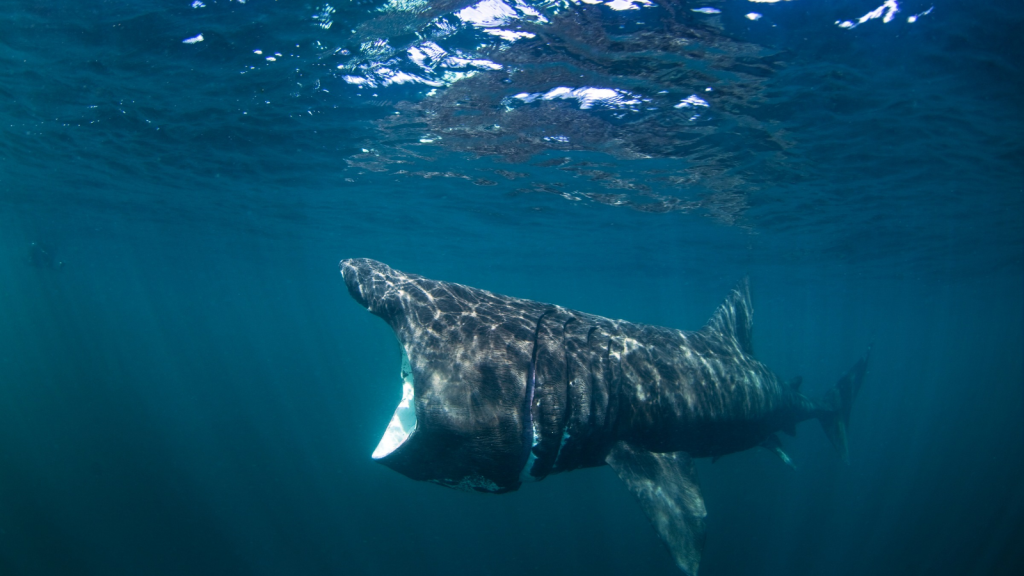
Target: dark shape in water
{"x":499,"y":390}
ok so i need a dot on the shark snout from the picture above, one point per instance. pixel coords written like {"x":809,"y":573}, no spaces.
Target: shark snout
{"x":367,"y":281}
{"x":352,"y":270}
{"x":376,"y":286}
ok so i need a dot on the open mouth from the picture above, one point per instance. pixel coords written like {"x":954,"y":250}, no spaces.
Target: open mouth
{"x":403,"y":423}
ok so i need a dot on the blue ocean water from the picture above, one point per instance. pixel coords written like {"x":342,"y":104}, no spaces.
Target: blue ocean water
{"x":186,"y":386}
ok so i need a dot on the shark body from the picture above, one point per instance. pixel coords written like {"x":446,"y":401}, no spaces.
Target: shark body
{"x":498,"y":391}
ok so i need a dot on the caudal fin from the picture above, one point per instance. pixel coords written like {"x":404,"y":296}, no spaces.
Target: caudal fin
{"x":835,"y":409}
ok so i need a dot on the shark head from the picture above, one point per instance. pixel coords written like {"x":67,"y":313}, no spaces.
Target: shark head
{"x":465,"y":364}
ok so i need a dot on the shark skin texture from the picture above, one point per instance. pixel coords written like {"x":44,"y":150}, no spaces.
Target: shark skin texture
{"x":500,"y":390}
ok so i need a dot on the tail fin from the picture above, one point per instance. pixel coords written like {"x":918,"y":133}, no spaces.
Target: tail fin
{"x":835,"y":414}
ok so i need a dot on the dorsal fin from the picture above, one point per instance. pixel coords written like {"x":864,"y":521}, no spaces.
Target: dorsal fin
{"x":795,"y":382}
{"x":734,"y":319}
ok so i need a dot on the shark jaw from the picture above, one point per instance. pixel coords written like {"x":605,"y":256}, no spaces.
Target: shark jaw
{"x":403,"y":422}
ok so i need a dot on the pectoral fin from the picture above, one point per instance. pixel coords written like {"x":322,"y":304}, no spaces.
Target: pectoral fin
{"x":666,"y":486}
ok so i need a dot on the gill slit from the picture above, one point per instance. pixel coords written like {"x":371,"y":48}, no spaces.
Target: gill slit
{"x":529,"y":434}
{"x":567,"y":411}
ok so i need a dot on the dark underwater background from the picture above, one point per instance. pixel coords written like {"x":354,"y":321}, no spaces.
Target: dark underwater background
{"x":187,"y":388}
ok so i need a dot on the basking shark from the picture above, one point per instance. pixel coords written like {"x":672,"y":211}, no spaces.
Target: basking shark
{"x":497,"y":391}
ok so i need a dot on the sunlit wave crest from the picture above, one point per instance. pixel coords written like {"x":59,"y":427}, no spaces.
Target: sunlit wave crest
{"x":515,"y":80}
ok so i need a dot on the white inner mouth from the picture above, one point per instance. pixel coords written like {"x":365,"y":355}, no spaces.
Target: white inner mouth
{"x":403,"y":423}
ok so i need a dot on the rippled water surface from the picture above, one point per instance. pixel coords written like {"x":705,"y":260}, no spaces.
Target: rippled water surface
{"x":186,"y":387}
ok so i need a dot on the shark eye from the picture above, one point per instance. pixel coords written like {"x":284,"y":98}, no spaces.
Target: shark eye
{"x":403,"y":423}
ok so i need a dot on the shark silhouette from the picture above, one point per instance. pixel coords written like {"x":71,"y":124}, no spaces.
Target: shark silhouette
{"x":498,"y":391}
